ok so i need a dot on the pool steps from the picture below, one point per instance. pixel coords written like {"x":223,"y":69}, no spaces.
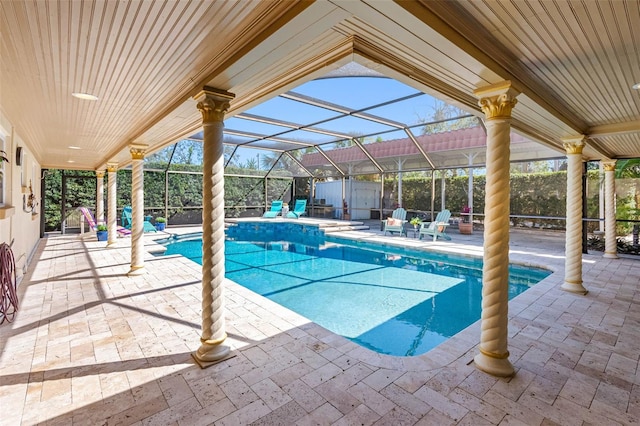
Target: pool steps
{"x":327,"y":226}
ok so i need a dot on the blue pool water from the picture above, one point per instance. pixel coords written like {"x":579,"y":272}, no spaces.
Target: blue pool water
{"x":395,"y":301}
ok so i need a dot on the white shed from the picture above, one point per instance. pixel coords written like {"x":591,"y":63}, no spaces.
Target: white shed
{"x":364,"y":197}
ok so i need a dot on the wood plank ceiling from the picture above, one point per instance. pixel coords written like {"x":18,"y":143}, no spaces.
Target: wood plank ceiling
{"x":575,"y":63}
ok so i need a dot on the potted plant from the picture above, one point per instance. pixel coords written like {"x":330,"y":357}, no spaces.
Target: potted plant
{"x":161,"y":223}
{"x":415,"y":221}
{"x":101,"y":232}
{"x":466,"y":226}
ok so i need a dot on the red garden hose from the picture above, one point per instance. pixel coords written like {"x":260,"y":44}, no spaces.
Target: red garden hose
{"x":8,"y":284}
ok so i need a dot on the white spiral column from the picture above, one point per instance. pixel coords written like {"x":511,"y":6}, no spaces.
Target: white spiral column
{"x":112,"y":218}
{"x":99,"y":196}
{"x":610,"y":241}
{"x":601,"y":197}
{"x":497,"y":102}
{"x":137,"y":209}
{"x":573,"y":235}
{"x":213,"y":104}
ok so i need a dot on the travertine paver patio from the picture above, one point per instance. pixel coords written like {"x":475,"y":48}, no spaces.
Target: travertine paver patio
{"x":92,"y":346}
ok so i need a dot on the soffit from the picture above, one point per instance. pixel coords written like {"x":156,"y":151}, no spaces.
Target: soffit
{"x":141,"y":58}
{"x":148,"y":71}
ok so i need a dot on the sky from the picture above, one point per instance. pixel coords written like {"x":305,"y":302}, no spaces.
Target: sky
{"x":355,"y":93}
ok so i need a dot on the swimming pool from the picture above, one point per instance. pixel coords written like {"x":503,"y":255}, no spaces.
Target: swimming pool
{"x":396,"y":301}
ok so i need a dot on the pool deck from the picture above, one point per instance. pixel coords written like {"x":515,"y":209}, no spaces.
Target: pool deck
{"x":91,"y":346}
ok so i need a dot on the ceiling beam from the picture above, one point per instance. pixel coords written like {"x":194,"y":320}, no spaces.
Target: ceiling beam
{"x":614,"y":129}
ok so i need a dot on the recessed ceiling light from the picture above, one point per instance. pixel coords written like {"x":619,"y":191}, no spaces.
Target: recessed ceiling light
{"x":70,"y":161}
{"x":85,"y":96}
{"x":636,"y":86}
{"x":74,"y":147}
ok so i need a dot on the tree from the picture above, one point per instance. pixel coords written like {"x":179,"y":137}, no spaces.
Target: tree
{"x":444,"y":119}
{"x":188,"y":152}
{"x":628,"y":207}
{"x":251,"y":163}
{"x":629,"y":168}
{"x":159,"y":159}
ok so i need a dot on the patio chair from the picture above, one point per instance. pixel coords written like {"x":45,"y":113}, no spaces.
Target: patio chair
{"x":396,"y":222}
{"x":436,"y":228}
{"x":91,"y":221}
{"x":299,"y":209}
{"x":122,"y":232}
{"x":148,"y":227}
{"x":276,"y":208}
{"x":127,"y":221}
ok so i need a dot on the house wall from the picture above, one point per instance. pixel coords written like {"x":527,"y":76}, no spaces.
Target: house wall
{"x":16,"y":224}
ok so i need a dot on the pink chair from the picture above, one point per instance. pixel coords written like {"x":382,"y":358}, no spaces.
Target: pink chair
{"x":122,"y":232}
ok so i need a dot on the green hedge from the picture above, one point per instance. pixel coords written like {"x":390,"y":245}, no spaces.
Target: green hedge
{"x":539,"y":194}
{"x":534,"y":194}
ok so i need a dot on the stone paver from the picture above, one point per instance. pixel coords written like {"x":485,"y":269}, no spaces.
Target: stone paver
{"x":91,"y":345}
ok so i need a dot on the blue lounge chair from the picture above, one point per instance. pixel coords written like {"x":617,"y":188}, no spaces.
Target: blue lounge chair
{"x":299,"y":209}
{"x":276,"y":208}
{"x":127,"y":221}
{"x":438,"y":227}
{"x":396,"y":222}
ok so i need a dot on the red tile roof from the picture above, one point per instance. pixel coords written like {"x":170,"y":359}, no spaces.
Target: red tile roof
{"x":474,"y":137}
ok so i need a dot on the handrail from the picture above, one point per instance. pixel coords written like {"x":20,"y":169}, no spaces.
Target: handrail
{"x":522,"y":216}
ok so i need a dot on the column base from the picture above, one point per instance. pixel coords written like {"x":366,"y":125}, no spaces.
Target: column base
{"x":205,"y":364}
{"x":208,"y":354}
{"x":610,"y":255}
{"x":500,"y":367}
{"x":574,"y":288}
{"x":136,"y":270}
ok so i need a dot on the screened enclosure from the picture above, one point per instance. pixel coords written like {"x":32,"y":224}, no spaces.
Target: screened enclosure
{"x":357,"y":145}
